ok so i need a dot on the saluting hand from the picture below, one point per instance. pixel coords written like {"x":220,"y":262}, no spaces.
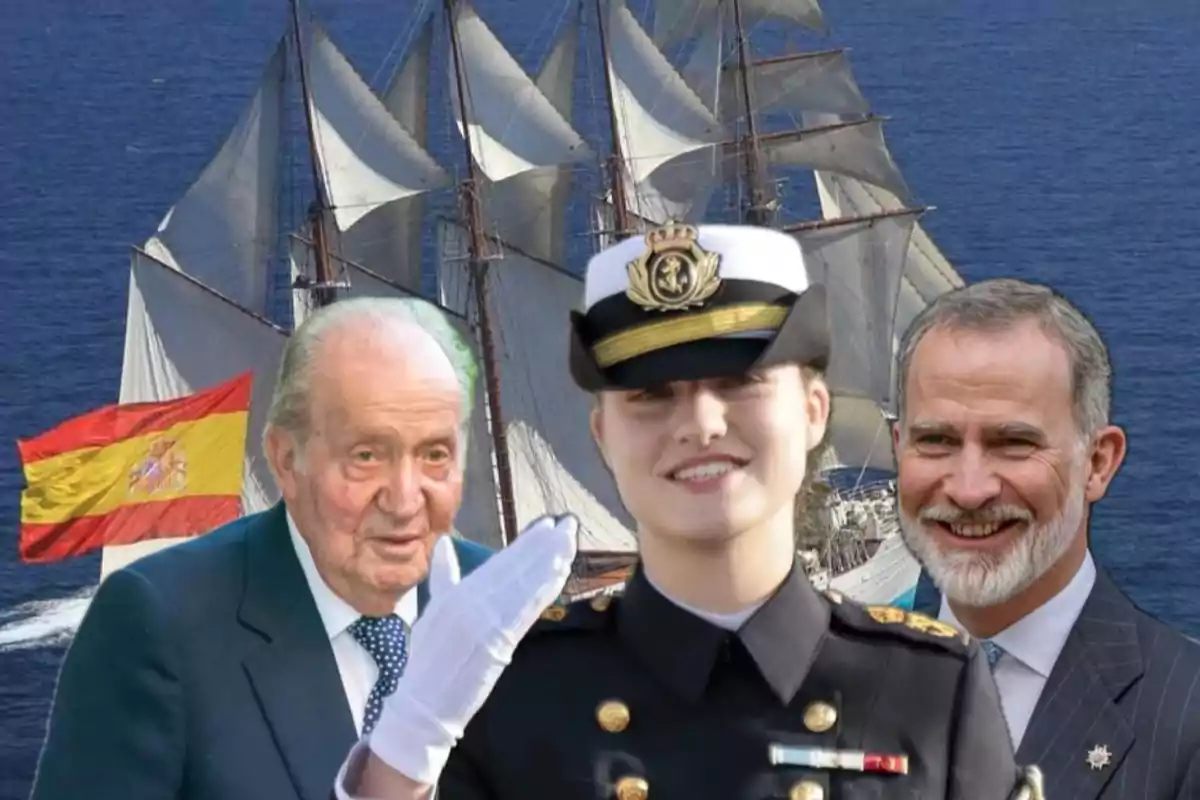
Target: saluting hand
{"x":464,"y":639}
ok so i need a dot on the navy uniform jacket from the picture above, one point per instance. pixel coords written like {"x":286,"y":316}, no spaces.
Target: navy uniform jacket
{"x":203,"y":672}
{"x":636,"y":698}
{"x":1126,"y":687}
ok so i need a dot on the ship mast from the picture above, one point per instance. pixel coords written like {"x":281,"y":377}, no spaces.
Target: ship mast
{"x":761,"y":210}
{"x":478,"y":252}
{"x":616,"y":161}
{"x":323,"y":291}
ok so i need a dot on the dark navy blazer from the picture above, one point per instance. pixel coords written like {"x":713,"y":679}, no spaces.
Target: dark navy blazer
{"x":1124,"y":681}
{"x":204,"y":671}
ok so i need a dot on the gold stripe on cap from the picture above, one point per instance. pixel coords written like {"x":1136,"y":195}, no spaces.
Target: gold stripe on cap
{"x":690,"y":328}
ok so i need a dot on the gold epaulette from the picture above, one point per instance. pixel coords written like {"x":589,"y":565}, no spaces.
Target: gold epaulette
{"x":910,"y":624}
{"x":583,"y":614}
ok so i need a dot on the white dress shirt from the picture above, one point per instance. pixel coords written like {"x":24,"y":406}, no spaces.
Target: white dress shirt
{"x":355,"y":664}
{"x":730,"y":621}
{"x":1031,"y":646}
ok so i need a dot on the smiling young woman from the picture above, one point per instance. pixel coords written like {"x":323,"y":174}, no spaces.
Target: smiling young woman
{"x":700,"y":344}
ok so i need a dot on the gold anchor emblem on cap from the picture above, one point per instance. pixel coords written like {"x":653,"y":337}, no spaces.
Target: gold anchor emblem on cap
{"x":674,"y":272}
{"x":630,"y":788}
{"x":820,"y":717}
{"x":613,"y":716}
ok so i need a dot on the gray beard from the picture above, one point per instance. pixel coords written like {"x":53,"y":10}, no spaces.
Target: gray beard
{"x":987,"y":579}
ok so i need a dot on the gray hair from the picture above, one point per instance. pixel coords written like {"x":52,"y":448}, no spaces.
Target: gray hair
{"x":1001,"y":303}
{"x":290,"y":402}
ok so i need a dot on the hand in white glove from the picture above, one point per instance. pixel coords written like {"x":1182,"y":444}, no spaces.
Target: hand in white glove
{"x":464,"y":639}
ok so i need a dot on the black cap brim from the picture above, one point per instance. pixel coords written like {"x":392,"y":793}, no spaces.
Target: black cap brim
{"x":803,"y":338}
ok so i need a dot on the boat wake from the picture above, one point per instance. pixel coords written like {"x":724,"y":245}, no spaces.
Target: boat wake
{"x":43,"y":623}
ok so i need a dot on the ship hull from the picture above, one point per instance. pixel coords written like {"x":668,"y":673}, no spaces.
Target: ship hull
{"x":888,"y":578}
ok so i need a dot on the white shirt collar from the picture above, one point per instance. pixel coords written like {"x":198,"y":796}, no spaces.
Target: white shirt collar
{"x":731,"y":621}
{"x":1037,"y":639}
{"x":336,"y":614}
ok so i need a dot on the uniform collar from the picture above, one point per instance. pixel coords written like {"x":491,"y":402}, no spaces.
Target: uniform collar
{"x":681,"y":649}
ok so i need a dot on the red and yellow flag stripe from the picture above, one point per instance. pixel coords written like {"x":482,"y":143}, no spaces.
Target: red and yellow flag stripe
{"x":128,"y":473}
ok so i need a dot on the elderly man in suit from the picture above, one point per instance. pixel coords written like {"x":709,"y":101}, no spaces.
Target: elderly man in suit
{"x":245,"y":663}
{"x":1003,"y":443}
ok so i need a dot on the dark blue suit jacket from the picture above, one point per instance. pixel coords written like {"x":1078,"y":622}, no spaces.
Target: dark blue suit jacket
{"x":203,"y":671}
{"x":1124,"y":681}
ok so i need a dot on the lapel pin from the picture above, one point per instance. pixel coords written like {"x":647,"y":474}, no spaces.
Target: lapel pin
{"x":1099,"y":757}
{"x":854,"y":760}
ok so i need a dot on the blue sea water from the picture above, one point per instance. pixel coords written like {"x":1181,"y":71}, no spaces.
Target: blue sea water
{"x":1059,"y":141}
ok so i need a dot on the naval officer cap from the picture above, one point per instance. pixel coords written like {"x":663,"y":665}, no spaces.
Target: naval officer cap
{"x":693,"y":302}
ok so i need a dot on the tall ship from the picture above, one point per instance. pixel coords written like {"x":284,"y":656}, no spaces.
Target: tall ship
{"x":484,"y":185}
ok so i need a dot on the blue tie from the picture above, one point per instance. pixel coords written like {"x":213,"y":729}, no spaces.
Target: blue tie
{"x":385,"y":639}
{"x":993,"y":652}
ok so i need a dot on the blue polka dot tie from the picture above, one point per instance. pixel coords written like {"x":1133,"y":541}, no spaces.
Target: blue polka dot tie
{"x":385,"y":639}
{"x":993,"y":652}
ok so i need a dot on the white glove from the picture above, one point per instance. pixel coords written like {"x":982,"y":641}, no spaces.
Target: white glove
{"x":464,"y":639}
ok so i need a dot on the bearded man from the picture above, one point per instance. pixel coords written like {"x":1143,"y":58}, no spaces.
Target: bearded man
{"x":1003,"y":443}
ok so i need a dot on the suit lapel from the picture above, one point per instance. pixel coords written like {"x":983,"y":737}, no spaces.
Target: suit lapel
{"x":1077,"y":710}
{"x":293,"y":673}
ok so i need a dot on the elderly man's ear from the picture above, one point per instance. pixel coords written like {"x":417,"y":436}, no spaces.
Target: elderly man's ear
{"x":282,"y":454}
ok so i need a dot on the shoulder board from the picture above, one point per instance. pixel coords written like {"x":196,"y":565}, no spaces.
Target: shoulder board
{"x":896,"y":622}
{"x":579,"y":615}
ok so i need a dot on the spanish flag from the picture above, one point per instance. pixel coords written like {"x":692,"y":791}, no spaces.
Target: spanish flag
{"x":127,"y":473}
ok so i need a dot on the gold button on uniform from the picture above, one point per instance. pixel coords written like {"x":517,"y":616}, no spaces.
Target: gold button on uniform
{"x":554,"y":613}
{"x":807,"y":790}
{"x":613,"y":716}
{"x":630,"y":788}
{"x":601,"y":602}
{"x":820,"y":717}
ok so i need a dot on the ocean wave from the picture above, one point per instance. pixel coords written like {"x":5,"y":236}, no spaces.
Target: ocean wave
{"x":43,"y":623}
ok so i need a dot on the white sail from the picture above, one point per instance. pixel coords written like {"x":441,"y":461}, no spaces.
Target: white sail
{"x":848,"y":148}
{"x":794,"y":84}
{"x":512,"y":126}
{"x":222,"y":232}
{"x":520,"y":136}
{"x":859,"y":435}
{"x":682,"y":188}
{"x":927,"y":273}
{"x":555,"y":463}
{"x":675,"y":20}
{"x":704,"y":66}
{"x":181,"y":338}
{"x":366,"y":156}
{"x":659,"y":119}
{"x":536,"y":220}
{"x":860,"y":263}
{"x":388,"y":239}
{"x":556,"y":77}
